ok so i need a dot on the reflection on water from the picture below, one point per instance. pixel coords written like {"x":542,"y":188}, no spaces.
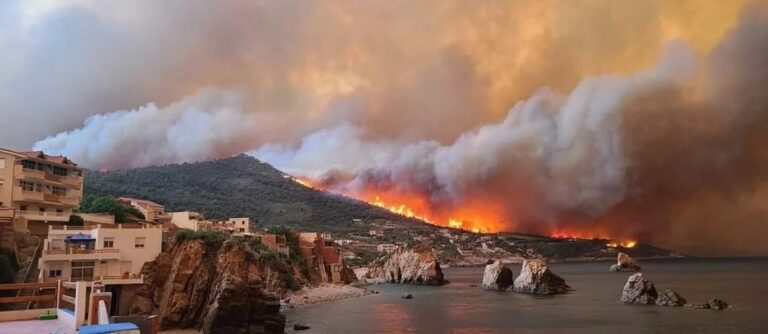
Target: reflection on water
{"x":592,"y":307}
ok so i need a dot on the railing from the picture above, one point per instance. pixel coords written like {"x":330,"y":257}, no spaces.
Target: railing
{"x":28,"y":286}
{"x":69,"y":281}
{"x":81,"y":251}
{"x":29,"y":173}
{"x":53,"y":228}
{"x":44,"y":215}
{"x":71,"y":180}
{"x":29,"y":195}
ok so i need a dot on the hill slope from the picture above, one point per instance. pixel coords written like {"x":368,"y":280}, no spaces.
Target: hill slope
{"x":240,"y":186}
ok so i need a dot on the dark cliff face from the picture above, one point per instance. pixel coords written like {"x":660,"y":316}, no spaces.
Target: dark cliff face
{"x":216,"y":290}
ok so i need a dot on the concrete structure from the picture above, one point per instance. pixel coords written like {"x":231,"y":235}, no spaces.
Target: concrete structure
{"x":112,"y":254}
{"x":151,"y":210}
{"x":386,"y":248}
{"x":196,"y":222}
{"x":43,"y":189}
{"x":320,"y":250}
{"x":189,"y":220}
{"x":275,"y":243}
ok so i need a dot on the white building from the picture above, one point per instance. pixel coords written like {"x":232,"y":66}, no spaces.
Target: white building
{"x":188,"y":219}
{"x":344,"y":242}
{"x":235,"y":225}
{"x":386,"y":248}
{"x":376,"y":233}
{"x":113,"y":254}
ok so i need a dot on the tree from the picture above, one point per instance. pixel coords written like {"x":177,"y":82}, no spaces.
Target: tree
{"x":75,"y":220}
{"x":106,"y":204}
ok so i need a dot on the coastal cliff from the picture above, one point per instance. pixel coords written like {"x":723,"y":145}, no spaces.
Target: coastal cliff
{"x":215,"y":289}
{"x":408,"y":266}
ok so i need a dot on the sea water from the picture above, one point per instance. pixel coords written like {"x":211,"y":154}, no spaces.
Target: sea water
{"x":592,"y":307}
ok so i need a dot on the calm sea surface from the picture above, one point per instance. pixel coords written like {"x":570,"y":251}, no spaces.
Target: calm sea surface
{"x":592,"y":307}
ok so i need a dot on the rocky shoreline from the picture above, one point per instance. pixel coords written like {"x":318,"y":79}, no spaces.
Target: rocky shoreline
{"x":519,"y":260}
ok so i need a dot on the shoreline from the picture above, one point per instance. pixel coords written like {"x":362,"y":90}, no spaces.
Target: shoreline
{"x":325,"y":292}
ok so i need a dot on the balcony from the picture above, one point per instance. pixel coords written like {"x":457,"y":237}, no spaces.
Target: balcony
{"x":74,"y":254}
{"x":74,"y":181}
{"x":97,"y":218}
{"x":26,"y":195}
{"x":44,"y":216}
{"x":66,"y":200}
{"x":106,"y":280}
{"x":26,"y":173}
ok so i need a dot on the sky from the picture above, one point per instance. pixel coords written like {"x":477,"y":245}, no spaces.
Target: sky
{"x":643,"y":119}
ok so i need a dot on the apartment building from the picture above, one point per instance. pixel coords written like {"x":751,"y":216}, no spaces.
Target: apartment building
{"x":112,"y":254}
{"x":151,"y":210}
{"x":43,"y":189}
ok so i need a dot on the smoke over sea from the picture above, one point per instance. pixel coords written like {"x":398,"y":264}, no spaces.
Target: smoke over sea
{"x":625,"y":120}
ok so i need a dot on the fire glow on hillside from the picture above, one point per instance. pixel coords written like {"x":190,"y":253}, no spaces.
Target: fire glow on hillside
{"x":475,"y":219}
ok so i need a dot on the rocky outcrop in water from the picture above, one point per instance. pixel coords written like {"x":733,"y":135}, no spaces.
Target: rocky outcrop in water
{"x":408,"y":266}
{"x":497,"y":277}
{"x":536,"y":278}
{"x":670,"y":298}
{"x":624,"y":263}
{"x":212,"y":289}
{"x":638,"y":290}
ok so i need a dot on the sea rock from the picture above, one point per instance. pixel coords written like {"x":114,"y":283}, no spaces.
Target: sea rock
{"x":215,"y":290}
{"x":670,"y":298}
{"x":717,"y":304}
{"x":497,"y":277}
{"x":638,"y":290}
{"x":536,"y":278}
{"x":624,"y":263}
{"x":407,"y":296}
{"x":300,"y":327}
{"x":408,"y":266}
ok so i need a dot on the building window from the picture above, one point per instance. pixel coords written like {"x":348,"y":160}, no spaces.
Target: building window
{"x":42,"y":209}
{"x":242,"y":230}
{"x":109,"y":242}
{"x":54,"y":273}
{"x":82,"y":270}
{"x":139,"y":242}
{"x":61,"y":191}
{"x":28,"y":164}
{"x":23,"y":208}
{"x":27,"y":186}
{"x":2,"y":163}
{"x":61,"y":171}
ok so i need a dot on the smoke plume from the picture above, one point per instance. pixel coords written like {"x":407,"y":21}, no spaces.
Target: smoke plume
{"x":642,"y":120}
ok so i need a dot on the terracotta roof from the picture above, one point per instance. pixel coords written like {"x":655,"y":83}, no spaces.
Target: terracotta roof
{"x":59,"y":159}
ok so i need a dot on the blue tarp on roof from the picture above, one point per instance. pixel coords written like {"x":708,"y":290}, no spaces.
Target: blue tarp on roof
{"x":109,"y":328}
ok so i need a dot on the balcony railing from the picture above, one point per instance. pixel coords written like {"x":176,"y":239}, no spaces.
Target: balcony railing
{"x":45,"y":215}
{"x":29,"y":173}
{"x":106,"y":279}
{"x":81,"y":251}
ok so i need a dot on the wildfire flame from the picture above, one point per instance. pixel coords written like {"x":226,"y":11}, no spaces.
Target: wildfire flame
{"x":480,"y":215}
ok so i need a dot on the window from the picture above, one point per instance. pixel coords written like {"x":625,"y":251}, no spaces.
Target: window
{"x":2,"y":163}
{"x":27,"y":186}
{"x":82,"y":270}
{"x":61,"y":191}
{"x":42,"y":209}
{"x":139,"y":242}
{"x":23,"y":208}
{"x":109,"y":242}
{"x":54,"y":273}
{"x":28,"y":164}
{"x":59,"y":210}
{"x":61,"y":171}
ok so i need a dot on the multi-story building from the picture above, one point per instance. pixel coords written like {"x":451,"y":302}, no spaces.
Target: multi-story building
{"x":151,"y":210}
{"x":320,"y":250}
{"x":43,"y":189}
{"x":274,"y":242}
{"x":112,"y":254}
{"x":235,"y":225}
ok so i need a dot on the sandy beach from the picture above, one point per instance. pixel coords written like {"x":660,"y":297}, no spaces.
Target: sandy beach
{"x":324,"y":293}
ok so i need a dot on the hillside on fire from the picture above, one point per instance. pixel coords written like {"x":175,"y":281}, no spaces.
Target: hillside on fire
{"x":241,"y":186}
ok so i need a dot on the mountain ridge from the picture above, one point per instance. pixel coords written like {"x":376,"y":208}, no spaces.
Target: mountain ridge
{"x":241,"y":186}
